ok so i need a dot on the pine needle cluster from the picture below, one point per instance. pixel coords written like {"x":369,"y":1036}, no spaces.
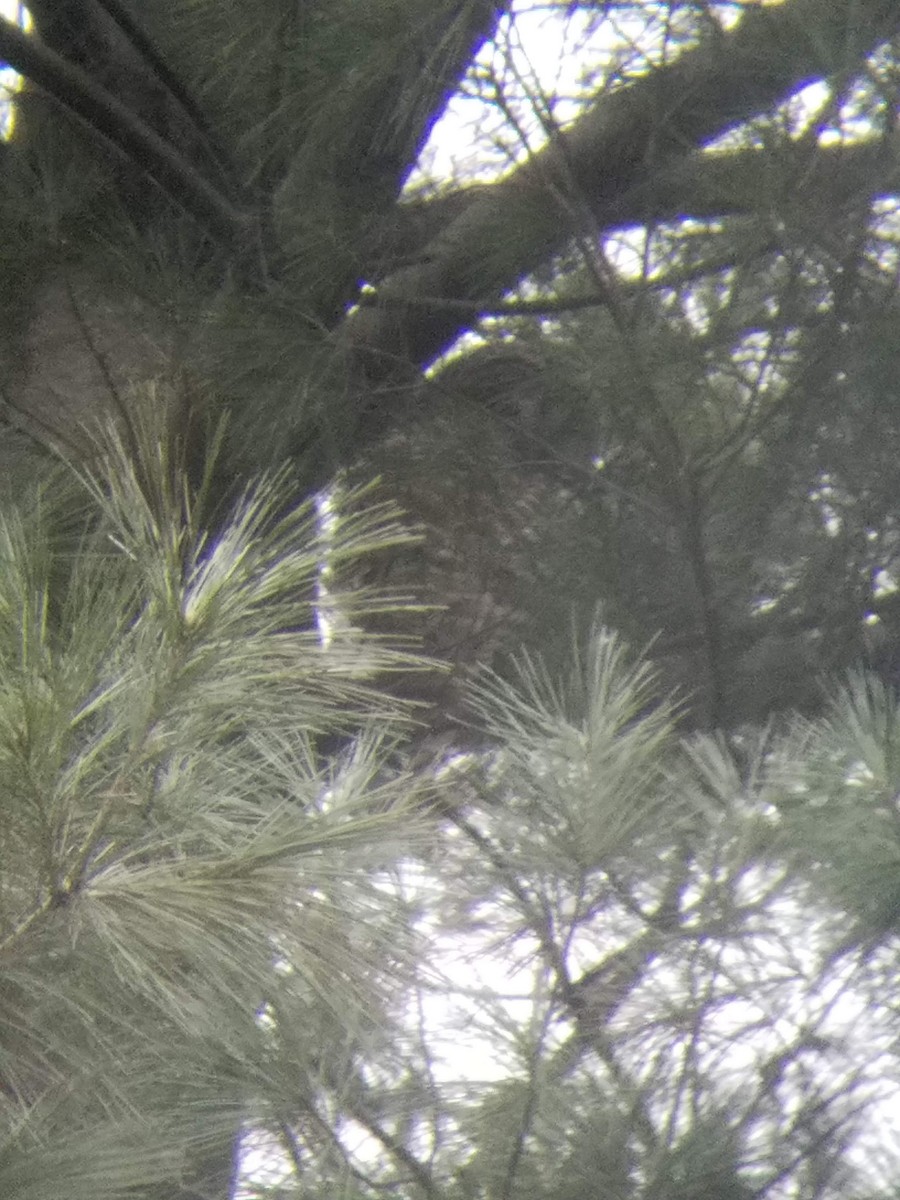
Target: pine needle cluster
{"x":177,"y":858}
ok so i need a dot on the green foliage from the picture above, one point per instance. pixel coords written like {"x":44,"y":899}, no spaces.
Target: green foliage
{"x":842,"y":822}
{"x":172,"y":843}
{"x":581,"y":757}
{"x":575,"y":923}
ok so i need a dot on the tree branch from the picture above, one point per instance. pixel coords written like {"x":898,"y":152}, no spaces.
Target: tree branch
{"x":614,"y":150}
{"x":116,"y":125}
{"x":703,"y":185}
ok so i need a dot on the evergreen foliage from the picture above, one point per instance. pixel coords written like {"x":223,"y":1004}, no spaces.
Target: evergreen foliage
{"x":345,"y":849}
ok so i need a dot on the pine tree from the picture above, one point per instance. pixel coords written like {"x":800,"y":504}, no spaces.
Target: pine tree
{"x":187,"y":197}
{"x":254,"y":902}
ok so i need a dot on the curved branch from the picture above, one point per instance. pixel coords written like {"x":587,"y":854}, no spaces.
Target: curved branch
{"x":157,"y":64}
{"x":703,"y":185}
{"x":618,"y":146}
{"x":108,"y":118}
{"x":721,"y":184}
{"x":405,"y":85}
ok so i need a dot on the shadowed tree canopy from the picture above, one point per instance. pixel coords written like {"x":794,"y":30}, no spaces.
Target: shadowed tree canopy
{"x":668,"y":270}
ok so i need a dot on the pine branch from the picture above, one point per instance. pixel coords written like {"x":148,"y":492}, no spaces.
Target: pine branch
{"x":703,"y":185}
{"x":154,"y":60}
{"x":114,"y":124}
{"x":624,"y":140}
